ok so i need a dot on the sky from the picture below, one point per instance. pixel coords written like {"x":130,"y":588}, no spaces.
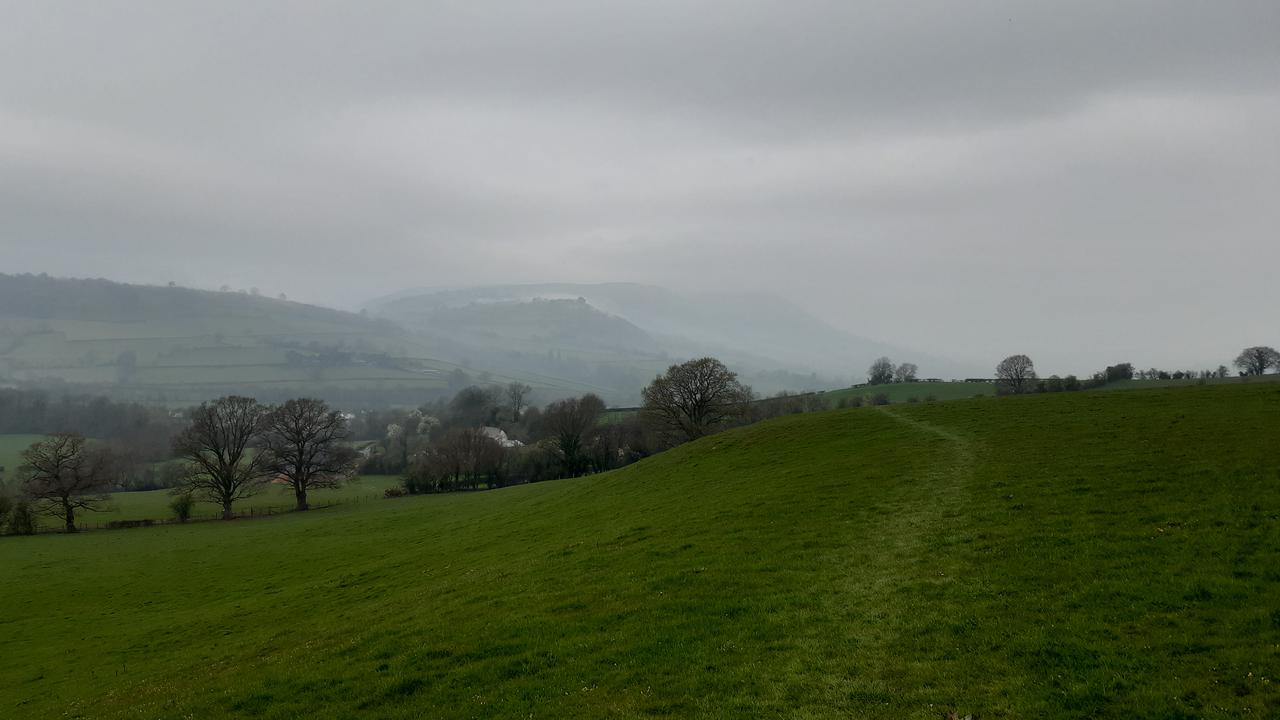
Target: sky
{"x":1086,"y":182}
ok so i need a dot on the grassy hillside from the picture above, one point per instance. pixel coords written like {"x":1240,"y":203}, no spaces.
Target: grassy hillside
{"x":178,"y":345}
{"x":903,"y":392}
{"x":1188,"y":382}
{"x":1077,"y":555}
{"x":11,"y":447}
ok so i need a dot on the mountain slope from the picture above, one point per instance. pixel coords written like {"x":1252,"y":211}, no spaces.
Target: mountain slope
{"x":1071,"y":556}
{"x":756,"y":331}
{"x":183,"y":345}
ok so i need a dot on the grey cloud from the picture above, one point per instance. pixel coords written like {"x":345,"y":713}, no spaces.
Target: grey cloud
{"x":1088,"y":182}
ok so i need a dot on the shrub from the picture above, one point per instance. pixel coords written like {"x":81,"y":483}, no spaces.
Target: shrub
{"x":394,"y":492}
{"x":930,"y":398}
{"x":121,"y":524}
{"x":880,"y":399}
{"x":22,"y":519}
{"x":182,"y":505}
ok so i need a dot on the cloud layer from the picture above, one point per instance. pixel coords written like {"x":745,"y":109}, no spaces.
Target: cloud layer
{"x":1084,"y":182}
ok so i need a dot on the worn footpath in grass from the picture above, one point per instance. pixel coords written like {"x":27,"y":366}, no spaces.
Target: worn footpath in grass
{"x":1077,"y":555}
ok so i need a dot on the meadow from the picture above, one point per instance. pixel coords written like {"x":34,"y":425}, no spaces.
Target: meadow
{"x":1078,"y":555}
{"x":154,"y":504}
{"x":11,"y":447}
{"x":904,"y":392}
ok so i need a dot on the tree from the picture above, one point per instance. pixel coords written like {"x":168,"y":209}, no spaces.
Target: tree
{"x":1015,"y":373}
{"x":906,"y":372}
{"x":221,"y":464}
{"x":126,"y":367}
{"x":694,"y":398}
{"x":304,"y":442}
{"x":462,"y":458}
{"x":880,"y":372}
{"x":1121,"y":371}
{"x":567,"y":423}
{"x":1257,"y":360}
{"x":474,"y":406}
{"x":62,"y":474}
{"x":516,"y":394}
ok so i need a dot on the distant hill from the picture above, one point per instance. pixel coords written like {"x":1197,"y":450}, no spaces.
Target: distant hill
{"x":179,"y":345}
{"x":776,"y":344}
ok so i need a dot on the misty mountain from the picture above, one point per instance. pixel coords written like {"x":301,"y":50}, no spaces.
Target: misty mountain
{"x":772,"y":341}
{"x":179,"y":345}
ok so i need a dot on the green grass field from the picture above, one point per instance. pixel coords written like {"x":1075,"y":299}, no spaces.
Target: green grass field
{"x":11,"y":447}
{"x":1188,"y":382}
{"x":154,"y":504}
{"x":1079,"y":555}
{"x":903,"y":392}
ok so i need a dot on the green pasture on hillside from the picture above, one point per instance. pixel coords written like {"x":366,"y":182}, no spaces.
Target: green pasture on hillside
{"x":1077,"y":555}
{"x":11,"y":447}
{"x":154,"y":504}
{"x":921,"y":391}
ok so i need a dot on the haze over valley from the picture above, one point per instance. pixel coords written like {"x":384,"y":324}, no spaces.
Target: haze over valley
{"x":668,"y":359}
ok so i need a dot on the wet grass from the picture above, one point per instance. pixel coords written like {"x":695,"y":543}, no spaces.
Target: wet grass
{"x":1077,"y":555}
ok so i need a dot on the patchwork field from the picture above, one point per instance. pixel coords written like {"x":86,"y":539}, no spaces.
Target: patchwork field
{"x":179,"y":346}
{"x":1076,"y":555}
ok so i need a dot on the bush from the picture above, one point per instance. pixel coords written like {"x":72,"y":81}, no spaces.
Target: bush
{"x":182,"y":505}
{"x":121,"y":524}
{"x":22,"y":519}
{"x":930,"y":398}
{"x":880,"y":399}
{"x":395,"y":492}
{"x":850,"y":402}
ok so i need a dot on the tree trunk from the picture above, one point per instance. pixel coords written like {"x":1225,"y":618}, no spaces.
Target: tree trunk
{"x":70,"y":514}
{"x":226,"y":510}
{"x":301,"y":496}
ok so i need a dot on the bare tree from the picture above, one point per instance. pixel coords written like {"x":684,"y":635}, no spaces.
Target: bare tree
{"x":62,"y":474}
{"x":1015,"y":373}
{"x":694,"y":398}
{"x":568,"y":422}
{"x":221,"y":464}
{"x":304,"y":442}
{"x":906,"y":372}
{"x":462,"y":458}
{"x":516,"y":394}
{"x":1257,"y":360}
{"x":880,"y":372}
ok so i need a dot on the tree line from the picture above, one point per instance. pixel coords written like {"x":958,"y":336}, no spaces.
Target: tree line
{"x":1016,"y":374}
{"x":230,"y":450}
{"x":484,"y":437}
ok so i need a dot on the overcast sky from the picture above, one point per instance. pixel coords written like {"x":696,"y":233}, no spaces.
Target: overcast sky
{"x":1086,"y":182}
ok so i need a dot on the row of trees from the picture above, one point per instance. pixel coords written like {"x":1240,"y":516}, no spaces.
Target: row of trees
{"x":236,"y":445}
{"x":566,"y":438}
{"x":231,"y":449}
{"x":883,"y":372}
{"x":1016,"y":374}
